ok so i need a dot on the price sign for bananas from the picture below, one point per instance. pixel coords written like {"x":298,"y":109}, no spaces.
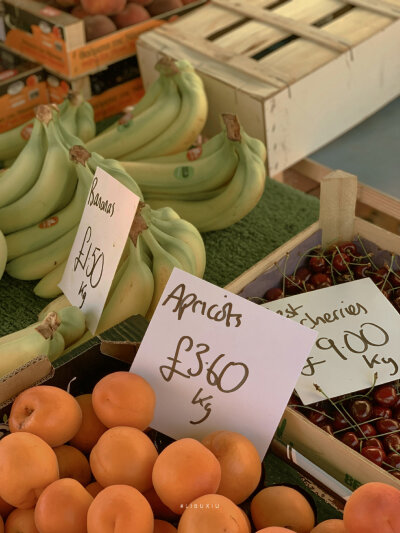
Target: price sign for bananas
{"x":358,"y":338}
{"x":100,"y":240}
{"x":218,"y":361}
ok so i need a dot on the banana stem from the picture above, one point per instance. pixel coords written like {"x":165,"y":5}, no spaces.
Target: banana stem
{"x":232,"y":126}
{"x":49,"y":325}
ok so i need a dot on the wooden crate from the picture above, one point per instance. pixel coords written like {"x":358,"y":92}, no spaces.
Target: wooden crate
{"x":337,"y":222}
{"x":298,"y":73}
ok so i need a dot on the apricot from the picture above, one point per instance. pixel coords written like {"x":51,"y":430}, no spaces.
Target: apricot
{"x":282,"y":506}
{"x":160,"y":510}
{"x":160,"y":526}
{"x":91,"y":428}
{"x":27,"y":466}
{"x":49,"y":412}
{"x":21,"y":521}
{"x":103,"y":7}
{"x":212,"y":513}
{"x":119,"y":509}
{"x":275,"y":529}
{"x":1,"y":525}
{"x":157,"y":7}
{"x":124,"y":456}
{"x":94,"y":488}
{"x":97,"y":26}
{"x":330,"y":526}
{"x":132,"y":14}
{"x":371,"y":508}
{"x":72,"y":463}
{"x":140,"y":2}
{"x":124,"y":399}
{"x":240,"y":464}
{"x":183,"y":471}
{"x":5,"y":508}
{"x":62,"y":507}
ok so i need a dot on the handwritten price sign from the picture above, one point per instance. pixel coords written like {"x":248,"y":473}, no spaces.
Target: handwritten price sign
{"x":98,"y":246}
{"x":217,"y":361}
{"x":358,"y":335}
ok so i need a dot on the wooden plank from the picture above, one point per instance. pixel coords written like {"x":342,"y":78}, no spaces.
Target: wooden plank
{"x":295,"y":27}
{"x":377,"y":6}
{"x":383,"y":238}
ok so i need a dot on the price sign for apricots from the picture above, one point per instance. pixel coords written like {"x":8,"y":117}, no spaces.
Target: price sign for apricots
{"x":358,"y":338}
{"x":100,"y":240}
{"x":218,"y":361}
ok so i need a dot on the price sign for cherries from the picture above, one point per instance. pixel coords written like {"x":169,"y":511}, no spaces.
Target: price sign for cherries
{"x":358,"y":337}
{"x":217,"y":361}
{"x":100,"y":240}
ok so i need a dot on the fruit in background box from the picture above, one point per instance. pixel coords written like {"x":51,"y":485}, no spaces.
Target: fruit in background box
{"x":124,"y":399}
{"x":274,"y":529}
{"x":140,"y":2}
{"x":132,"y":14}
{"x":123,"y":456}
{"x":217,"y":514}
{"x":27,"y":465}
{"x":371,"y":508}
{"x":183,"y":471}
{"x":73,"y":464}
{"x":330,"y":526}
{"x":68,"y":3}
{"x":5,"y":508}
{"x":79,"y":12}
{"x":49,"y":412}
{"x":157,"y":7}
{"x":282,"y":506}
{"x":94,"y":488}
{"x":119,"y":509}
{"x":97,"y":26}
{"x":103,"y":7}
{"x":62,"y":507}
{"x":21,"y":521}
{"x":240,"y":464}
{"x":160,"y":526}
{"x":91,"y":428}
{"x":160,"y":510}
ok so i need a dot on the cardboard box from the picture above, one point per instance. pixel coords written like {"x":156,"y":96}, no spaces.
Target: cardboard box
{"x":57,"y":40}
{"x":22,"y":88}
{"x":298,"y":74}
{"x":337,"y":223}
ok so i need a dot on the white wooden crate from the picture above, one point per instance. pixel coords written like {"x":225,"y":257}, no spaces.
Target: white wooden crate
{"x":298,"y":73}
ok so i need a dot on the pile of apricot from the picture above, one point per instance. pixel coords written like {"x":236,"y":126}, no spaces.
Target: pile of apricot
{"x":88,"y":465}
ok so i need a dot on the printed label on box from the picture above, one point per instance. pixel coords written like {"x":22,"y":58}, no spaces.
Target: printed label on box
{"x":217,"y":361}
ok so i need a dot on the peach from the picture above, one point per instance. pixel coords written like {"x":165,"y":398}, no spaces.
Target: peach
{"x":72,"y":463}
{"x":158,"y":7}
{"x":103,"y":7}
{"x":124,"y":456}
{"x":27,"y":466}
{"x":21,"y":521}
{"x":330,"y":526}
{"x":132,"y":14}
{"x":371,"y":508}
{"x":160,"y":526}
{"x":160,"y":510}
{"x":119,"y":509}
{"x":49,"y":412}
{"x":124,"y":399}
{"x":91,"y":428}
{"x":183,"y":471}
{"x":240,"y":464}
{"x":97,"y":26}
{"x":94,"y":488}
{"x":62,"y":507}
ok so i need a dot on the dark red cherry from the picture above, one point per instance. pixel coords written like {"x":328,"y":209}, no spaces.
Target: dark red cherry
{"x":373,"y":441}
{"x":318,"y":417}
{"x":348,"y":248}
{"x":321,"y":280}
{"x":394,"y":278}
{"x":362,"y":270}
{"x":274,"y":294}
{"x":391,"y":443}
{"x":317,"y":263}
{"x":328,"y":428}
{"x":396,"y":414}
{"x":367,"y":430}
{"x":393,"y":459}
{"x":385,"y":395}
{"x":303,"y":273}
{"x":340,"y":261}
{"x":351,"y":439}
{"x":387,"y":425}
{"x":309,"y":287}
{"x":294,"y":400}
{"x":380,"y":276}
{"x":293,"y":285}
{"x":381,"y":412}
{"x":396,"y":403}
{"x":396,"y":473}
{"x":361,"y":410}
{"x":340,"y":421}
{"x":374,"y":454}
{"x":344,"y":278}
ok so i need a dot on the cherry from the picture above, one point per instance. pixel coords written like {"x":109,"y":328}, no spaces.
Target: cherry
{"x":317,"y":263}
{"x":293,"y":285}
{"x":344,"y":278}
{"x":361,"y":410}
{"x":274,"y":294}
{"x":380,"y":277}
{"x":387,"y":425}
{"x":303,"y":273}
{"x":396,"y":414}
{"x":396,"y":303}
{"x":340,"y":421}
{"x":318,"y":417}
{"x":309,"y":286}
{"x":385,"y":395}
{"x":340,"y":261}
{"x":393,"y":459}
{"x":328,"y":428}
{"x":374,"y":454}
{"x":294,"y":400}
{"x":361,"y":271}
{"x":394,"y":278}
{"x":396,"y":403}
{"x":351,"y":439}
{"x":367,"y":430}
{"x":348,"y":248}
{"x":373,"y":441}
{"x":381,"y":412}
{"x":321,"y":280}
{"x":392,"y":442}
{"x":396,"y":473}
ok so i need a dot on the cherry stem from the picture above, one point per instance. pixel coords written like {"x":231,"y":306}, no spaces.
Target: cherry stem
{"x":306,"y":254}
{"x":313,"y":409}
{"x":345,"y":262}
{"x":382,"y":434}
{"x":354,"y":425}
{"x":365,"y":251}
{"x":257,"y":299}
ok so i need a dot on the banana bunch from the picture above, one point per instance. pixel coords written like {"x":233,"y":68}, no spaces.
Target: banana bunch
{"x":48,"y":338}
{"x":167,"y":120}
{"x":76,"y":115}
{"x":3,"y":254}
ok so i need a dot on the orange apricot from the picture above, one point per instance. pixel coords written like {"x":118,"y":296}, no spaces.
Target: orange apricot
{"x":5,"y":508}
{"x":124,"y":399}
{"x":240,"y":464}
{"x":371,"y":508}
{"x":330,"y":526}
{"x":72,"y":463}
{"x":118,"y":509}
{"x":161,"y":526}
{"x":282,"y":506}
{"x":212,"y":513}
{"x":1,"y":525}
{"x":49,"y":412}
{"x":183,"y":471}
{"x":21,"y":521}
{"x":62,"y":507}
{"x":160,"y":510}
{"x":275,"y":529}
{"x":123,"y":456}
{"x":27,"y":466}
{"x":91,"y":428}
{"x":94,"y":488}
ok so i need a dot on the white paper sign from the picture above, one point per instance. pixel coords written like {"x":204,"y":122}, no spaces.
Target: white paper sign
{"x":217,"y":361}
{"x":107,"y":218}
{"x":358,"y":335}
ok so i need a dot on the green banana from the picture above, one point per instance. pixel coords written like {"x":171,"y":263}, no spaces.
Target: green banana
{"x":68,"y":113}
{"x":86,"y":125}
{"x":13,"y":141}
{"x":72,"y":324}
{"x":176,"y":247}
{"x":255,"y":145}
{"x":22,"y":175}
{"x":3,"y":254}
{"x":54,"y":306}
{"x":48,"y":287}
